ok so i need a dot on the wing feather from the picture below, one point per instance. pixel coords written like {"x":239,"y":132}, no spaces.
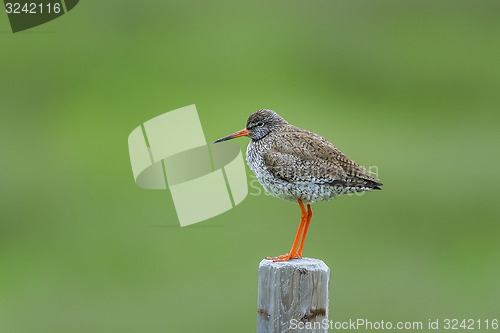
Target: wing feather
{"x":303,"y":156}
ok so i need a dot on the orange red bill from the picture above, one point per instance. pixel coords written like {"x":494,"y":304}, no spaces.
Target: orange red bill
{"x":243,"y":132}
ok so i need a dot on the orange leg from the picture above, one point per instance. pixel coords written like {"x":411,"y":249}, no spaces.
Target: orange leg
{"x":309,"y":216}
{"x":293,"y":253}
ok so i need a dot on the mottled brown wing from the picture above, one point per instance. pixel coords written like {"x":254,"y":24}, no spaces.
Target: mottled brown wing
{"x":304,"y":156}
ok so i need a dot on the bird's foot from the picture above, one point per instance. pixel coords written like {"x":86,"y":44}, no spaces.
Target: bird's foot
{"x":285,"y":257}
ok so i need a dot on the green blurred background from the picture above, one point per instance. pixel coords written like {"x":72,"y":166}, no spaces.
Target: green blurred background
{"x":410,"y":87}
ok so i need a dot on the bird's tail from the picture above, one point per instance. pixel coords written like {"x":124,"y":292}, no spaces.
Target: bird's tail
{"x":361,"y":183}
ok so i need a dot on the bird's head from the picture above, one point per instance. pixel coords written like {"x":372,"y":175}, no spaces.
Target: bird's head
{"x":259,"y":124}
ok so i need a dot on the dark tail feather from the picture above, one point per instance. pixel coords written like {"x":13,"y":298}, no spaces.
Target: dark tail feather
{"x":374,"y":185}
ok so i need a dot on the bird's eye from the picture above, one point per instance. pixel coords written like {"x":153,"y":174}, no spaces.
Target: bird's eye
{"x":260,"y":124}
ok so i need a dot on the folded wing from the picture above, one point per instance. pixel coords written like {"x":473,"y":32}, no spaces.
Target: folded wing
{"x":314,"y":160}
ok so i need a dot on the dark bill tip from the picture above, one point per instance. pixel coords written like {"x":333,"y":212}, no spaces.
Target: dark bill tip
{"x":229,"y":137}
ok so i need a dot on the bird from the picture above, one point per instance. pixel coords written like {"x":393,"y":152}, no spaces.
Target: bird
{"x":297,"y":165}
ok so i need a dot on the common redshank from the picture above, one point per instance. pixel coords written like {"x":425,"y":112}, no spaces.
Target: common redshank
{"x":299,"y":166}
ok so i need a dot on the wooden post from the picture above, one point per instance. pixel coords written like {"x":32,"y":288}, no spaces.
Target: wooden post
{"x":293,"y":296}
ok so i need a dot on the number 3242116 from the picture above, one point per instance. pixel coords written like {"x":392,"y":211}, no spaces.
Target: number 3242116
{"x":470,"y":324}
{"x":32,"y":8}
